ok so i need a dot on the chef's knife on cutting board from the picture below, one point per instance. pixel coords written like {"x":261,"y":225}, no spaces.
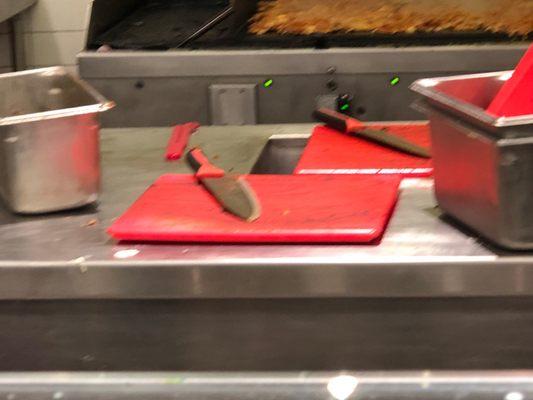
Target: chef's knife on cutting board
{"x":353,"y":126}
{"x":233,"y":193}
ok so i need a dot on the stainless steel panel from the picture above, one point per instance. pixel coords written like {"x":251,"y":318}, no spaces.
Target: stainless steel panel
{"x":327,"y":101}
{"x":233,"y":104}
{"x":50,"y":165}
{"x":291,"y":98}
{"x":49,"y":141}
{"x":388,"y":334}
{"x":10,"y":8}
{"x":466,"y":174}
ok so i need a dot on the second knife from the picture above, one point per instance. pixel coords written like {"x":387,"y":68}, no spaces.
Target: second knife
{"x":353,"y":126}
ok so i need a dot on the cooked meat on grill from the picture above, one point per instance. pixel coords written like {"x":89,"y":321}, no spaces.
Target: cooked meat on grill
{"x":514,"y":17}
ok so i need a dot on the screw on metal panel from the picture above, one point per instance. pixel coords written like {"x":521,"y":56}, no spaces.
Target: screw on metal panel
{"x":332,"y":85}
{"x":331,"y":70}
{"x":139,"y":84}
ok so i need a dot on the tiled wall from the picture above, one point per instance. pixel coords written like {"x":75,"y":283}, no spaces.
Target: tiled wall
{"x":5,"y":49}
{"x":53,"y":33}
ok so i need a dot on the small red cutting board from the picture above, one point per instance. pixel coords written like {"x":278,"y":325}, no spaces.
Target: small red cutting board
{"x":295,"y":208}
{"x":333,"y":152}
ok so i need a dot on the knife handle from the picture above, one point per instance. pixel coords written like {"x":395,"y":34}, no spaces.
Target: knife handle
{"x":338,"y":121}
{"x":202,"y":166}
{"x":179,"y":139}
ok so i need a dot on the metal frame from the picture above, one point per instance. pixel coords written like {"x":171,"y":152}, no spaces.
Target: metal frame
{"x":214,"y":63}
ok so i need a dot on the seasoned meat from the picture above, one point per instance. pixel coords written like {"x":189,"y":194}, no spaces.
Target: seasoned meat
{"x":514,"y":17}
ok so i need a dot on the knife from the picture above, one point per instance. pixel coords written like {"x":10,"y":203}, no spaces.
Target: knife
{"x":350,"y":125}
{"x":233,"y":193}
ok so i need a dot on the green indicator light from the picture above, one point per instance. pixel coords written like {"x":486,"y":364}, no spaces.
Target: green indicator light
{"x":268,"y":83}
{"x":394,"y":81}
{"x":345,"y":107}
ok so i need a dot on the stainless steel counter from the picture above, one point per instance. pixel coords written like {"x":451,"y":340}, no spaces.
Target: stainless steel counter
{"x":69,"y":255}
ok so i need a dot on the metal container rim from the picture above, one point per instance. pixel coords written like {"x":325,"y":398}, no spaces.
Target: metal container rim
{"x":426,"y":88}
{"x":101,"y":103}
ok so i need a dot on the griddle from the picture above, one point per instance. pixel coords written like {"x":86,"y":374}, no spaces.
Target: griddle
{"x":163,"y":25}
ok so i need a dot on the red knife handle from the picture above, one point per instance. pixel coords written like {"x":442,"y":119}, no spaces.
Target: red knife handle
{"x":338,"y":121}
{"x":179,"y":139}
{"x":202,"y":166}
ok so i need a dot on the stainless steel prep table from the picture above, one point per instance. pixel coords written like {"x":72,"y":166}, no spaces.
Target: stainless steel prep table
{"x":69,"y":255}
{"x":429,"y":297}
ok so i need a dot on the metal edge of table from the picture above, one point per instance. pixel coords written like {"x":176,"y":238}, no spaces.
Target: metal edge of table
{"x":134,"y":64}
{"x":248,"y":271}
{"x":426,"y":381}
{"x":233,"y":279}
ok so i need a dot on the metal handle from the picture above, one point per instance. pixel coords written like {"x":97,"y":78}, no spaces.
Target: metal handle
{"x":207,"y":26}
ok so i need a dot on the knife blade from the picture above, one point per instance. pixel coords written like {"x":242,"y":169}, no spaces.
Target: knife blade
{"x":353,"y":126}
{"x":233,"y":193}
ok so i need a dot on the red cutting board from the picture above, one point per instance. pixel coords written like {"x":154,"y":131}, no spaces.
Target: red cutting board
{"x":295,"y":208}
{"x":333,"y":152}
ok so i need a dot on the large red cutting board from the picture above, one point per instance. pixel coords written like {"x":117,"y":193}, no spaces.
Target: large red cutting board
{"x":295,"y":208}
{"x":333,"y":152}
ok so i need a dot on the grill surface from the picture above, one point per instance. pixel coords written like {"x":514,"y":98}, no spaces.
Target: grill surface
{"x":162,"y":25}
